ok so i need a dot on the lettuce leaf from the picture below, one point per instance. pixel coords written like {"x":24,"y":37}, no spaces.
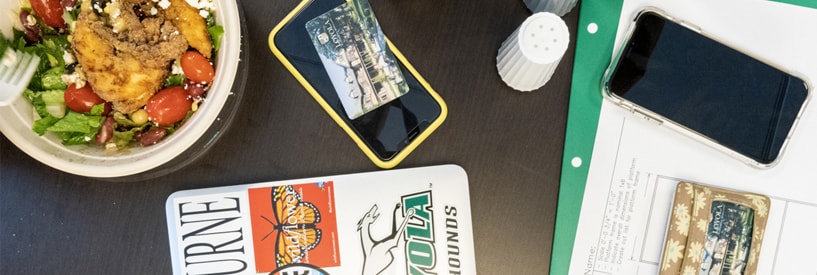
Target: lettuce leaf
{"x":50,"y":50}
{"x":76,"y":128}
{"x":74,"y":122}
{"x":36,"y":100}
{"x":41,"y":125}
{"x":4,"y":44}
{"x":51,"y":79}
{"x":174,"y":80}
{"x":54,"y":102}
{"x":215,"y":35}
{"x":122,"y":138}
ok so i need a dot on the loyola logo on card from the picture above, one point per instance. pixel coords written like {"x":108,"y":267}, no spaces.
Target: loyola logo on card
{"x":294,"y":224}
{"x":355,"y":54}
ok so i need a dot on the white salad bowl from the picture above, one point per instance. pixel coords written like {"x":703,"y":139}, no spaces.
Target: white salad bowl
{"x":191,"y":140}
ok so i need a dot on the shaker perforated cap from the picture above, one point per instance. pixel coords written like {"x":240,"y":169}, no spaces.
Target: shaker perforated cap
{"x":544,"y":38}
{"x":528,"y":58}
{"x":559,"y":7}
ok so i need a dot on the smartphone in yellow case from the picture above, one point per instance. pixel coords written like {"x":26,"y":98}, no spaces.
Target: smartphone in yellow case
{"x":387,"y":133}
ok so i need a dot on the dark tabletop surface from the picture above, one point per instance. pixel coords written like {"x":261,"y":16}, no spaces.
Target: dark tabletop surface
{"x":508,"y":142}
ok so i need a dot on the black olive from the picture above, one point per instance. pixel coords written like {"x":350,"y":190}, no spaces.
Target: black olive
{"x":139,"y":13}
{"x":99,"y":6}
{"x":70,"y":68}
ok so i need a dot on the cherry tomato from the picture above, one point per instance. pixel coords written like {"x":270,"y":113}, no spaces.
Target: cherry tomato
{"x":168,"y":106}
{"x":81,"y":100}
{"x":197,"y":68}
{"x":50,"y":11}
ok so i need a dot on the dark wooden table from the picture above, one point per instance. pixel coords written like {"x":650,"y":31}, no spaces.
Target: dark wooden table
{"x":509,"y":143}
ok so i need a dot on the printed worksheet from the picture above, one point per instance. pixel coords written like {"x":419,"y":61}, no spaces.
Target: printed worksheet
{"x":636,"y":163}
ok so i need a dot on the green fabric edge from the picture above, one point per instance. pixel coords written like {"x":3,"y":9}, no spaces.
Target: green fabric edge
{"x":590,"y":61}
{"x":804,"y":3}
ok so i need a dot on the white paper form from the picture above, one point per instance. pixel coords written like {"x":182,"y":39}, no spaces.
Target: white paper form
{"x":636,"y":163}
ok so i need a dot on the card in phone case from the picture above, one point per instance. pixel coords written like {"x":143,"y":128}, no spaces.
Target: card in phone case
{"x":354,"y":53}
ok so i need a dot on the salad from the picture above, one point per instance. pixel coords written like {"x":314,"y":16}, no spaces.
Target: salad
{"x":116,"y":73}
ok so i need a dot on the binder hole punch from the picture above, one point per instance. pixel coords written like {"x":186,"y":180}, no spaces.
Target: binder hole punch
{"x":592,"y":28}
{"x":576,"y":162}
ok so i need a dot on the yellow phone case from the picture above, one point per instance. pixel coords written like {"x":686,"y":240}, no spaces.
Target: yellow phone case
{"x":386,"y":164}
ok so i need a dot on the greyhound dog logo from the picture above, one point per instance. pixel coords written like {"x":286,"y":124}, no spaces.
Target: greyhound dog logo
{"x":378,"y":254}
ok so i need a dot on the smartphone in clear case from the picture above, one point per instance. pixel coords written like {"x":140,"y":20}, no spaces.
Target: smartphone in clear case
{"x":677,"y":75}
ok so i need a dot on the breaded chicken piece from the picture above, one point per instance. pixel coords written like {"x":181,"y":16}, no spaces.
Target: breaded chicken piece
{"x":191,"y":24}
{"x":128,"y":66}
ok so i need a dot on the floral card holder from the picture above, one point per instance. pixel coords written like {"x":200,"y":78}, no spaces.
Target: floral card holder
{"x":714,"y":231}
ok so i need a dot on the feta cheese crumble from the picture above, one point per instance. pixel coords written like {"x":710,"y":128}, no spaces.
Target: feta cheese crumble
{"x":77,"y":78}
{"x":204,"y":6}
{"x":68,"y":58}
{"x":164,"y":4}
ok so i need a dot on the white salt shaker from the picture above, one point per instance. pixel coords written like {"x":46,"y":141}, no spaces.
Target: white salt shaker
{"x":559,"y":7}
{"x":528,"y":58}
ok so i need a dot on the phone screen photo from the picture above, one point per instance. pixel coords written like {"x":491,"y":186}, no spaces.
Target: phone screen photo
{"x":706,"y":87}
{"x":387,"y":131}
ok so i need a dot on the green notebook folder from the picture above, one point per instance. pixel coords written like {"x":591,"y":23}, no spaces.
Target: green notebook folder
{"x":593,"y":54}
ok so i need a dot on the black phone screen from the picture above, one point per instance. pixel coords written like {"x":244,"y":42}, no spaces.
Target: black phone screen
{"x":385,"y":130}
{"x":731,"y":98}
